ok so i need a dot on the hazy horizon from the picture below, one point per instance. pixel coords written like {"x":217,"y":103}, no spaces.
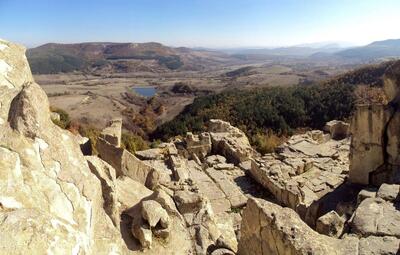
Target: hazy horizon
{"x":209,"y":24}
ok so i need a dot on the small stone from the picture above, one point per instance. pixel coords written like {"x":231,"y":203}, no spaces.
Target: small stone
{"x":152,"y":211}
{"x":388,"y":192}
{"x":224,"y":166}
{"x":222,"y":251}
{"x":188,"y":202}
{"x":161,"y":233}
{"x":365,"y":193}
{"x":143,"y":233}
{"x":330,"y":224}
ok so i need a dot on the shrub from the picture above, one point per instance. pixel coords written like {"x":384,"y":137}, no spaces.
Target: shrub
{"x":132,"y":142}
{"x":64,"y":121}
{"x":280,"y":110}
{"x":266,"y":143}
{"x":93,"y":134}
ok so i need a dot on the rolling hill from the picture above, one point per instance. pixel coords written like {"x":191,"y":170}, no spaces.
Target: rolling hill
{"x":120,"y":57}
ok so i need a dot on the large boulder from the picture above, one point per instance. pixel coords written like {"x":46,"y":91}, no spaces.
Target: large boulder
{"x":229,"y":141}
{"x":112,"y":133}
{"x":338,"y":129}
{"x":157,"y":226}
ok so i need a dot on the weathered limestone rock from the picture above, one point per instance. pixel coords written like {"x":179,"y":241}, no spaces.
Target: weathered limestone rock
{"x":227,"y":239}
{"x":55,"y":116}
{"x":200,"y":145}
{"x":231,"y":191}
{"x":389,"y":192}
{"x":157,"y":226}
{"x":153,"y":213}
{"x":85,"y":144}
{"x":106,"y":174}
{"x":365,"y":193}
{"x":129,"y":192}
{"x":179,"y":168}
{"x":124,"y":162}
{"x":375,"y":216}
{"x":375,"y":144}
{"x":112,"y":133}
{"x":215,"y":159}
{"x":50,"y":200}
{"x":229,"y":141}
{"x":151,"y":154}
{"x":224,"y":166}
{"x":304,"y":173}
{"x":391,"y":83}
{"x":330,"y":224}
{"x":222,"y":251}
{"x":188,"y":202}
{"x":29,"y":111}
{"x":374,"y":245}
{"x":269,"y":229}
{"x":338,"y":129}
{"x":143,"y":233}
{"x":366,"y":153}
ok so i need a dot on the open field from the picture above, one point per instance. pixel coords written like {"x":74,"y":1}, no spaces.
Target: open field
{"x":95,"y":99}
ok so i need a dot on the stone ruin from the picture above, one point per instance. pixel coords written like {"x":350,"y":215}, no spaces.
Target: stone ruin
{"x":207,"y":193}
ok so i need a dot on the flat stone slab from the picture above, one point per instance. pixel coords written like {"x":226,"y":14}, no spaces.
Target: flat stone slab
{"x":375,"y":216}
{"x":232,"y":192}
{"x":208,"y":188}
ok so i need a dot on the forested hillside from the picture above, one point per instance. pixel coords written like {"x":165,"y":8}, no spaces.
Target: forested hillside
{"x":265,"y":112}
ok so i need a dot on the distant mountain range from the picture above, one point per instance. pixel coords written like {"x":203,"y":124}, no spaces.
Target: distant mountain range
{"x":375,"y":50}
{"x":154,"y":57}
{"x":298,"y":50}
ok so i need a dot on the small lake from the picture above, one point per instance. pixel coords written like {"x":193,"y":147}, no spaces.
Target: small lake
{"x":145,"y":91}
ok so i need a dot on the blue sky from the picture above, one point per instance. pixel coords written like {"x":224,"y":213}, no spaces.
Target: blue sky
{"x":206,"y":23}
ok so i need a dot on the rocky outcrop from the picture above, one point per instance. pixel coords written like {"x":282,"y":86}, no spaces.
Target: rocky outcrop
{"x":304,"y":173}
{"x":50,"y":200}
{"x":199,"y":145}
{"x":124,"y":162}
{"x":112,"y":133}
{"x":187,"y":196}
{"x":375,"y":144}
{"x":269,"y":229}
{"x":229,"y":141}
{"x":367,"y":149}
{"x":53,"y":200}
{"x":204,"y":186}
{"x":378,"y":215}
{"x":337,"y":129}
